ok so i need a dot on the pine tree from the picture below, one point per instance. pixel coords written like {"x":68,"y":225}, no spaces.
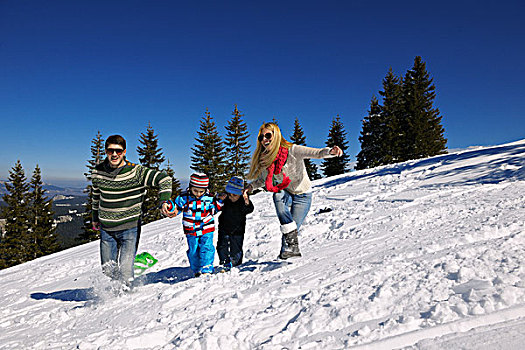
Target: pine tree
{"x":371,"y":137}
{"x":390,"y":127}
{"x":41,"y":223}
{"x":97,"y":156}
{"x":336,"y":137}
{"x":298,"y":134}
{"x":424,"y":132}
{"x":175,"y":184}
{"x":236,"y":146}
{"x":150,"y":156}
{"x":299,"y":139}
{"x":208,"y":153}
{"x":16,"y":237}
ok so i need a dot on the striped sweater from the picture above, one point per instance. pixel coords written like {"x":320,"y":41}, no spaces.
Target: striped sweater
{"x":118,"y":194}
{"x":197,"y":213}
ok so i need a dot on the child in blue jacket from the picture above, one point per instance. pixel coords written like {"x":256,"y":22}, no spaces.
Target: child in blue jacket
{"x":198,"y":208}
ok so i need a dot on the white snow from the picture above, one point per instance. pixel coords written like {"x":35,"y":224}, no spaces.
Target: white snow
{"x":426,"y":254}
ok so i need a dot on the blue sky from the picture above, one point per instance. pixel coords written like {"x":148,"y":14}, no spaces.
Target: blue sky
{"x":71,"y":68}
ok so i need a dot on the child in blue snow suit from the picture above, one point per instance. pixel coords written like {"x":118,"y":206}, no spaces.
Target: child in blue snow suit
{"x":232,"y":224}
{"x":198,"y":208}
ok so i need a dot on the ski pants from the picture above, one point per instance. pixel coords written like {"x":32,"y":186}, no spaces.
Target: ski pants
{"x":229,"y":248}
{"x":201,"y":252}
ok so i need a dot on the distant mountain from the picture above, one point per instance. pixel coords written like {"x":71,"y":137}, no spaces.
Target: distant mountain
{"x":66,"y":191}
{"x":52,"y":189}
{"x":3,"y":190}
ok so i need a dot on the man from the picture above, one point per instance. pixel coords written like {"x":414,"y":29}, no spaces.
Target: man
{"x":119,"y":188}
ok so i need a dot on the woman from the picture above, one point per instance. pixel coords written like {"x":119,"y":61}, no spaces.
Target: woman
{"x":278,"y":165}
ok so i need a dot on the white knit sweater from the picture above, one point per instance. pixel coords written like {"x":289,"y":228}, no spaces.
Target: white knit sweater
{"x":294,"y":168}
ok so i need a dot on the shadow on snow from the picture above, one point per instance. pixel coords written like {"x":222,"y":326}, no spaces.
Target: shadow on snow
{"x":170,"y":275}
{"x":84,"y":294}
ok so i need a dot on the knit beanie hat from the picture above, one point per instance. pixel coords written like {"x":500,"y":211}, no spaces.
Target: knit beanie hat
{"x":235,"y":185}
{"x":199,"y":180}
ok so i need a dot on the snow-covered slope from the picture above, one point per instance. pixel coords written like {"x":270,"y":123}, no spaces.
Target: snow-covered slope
{"x":427,"y":254}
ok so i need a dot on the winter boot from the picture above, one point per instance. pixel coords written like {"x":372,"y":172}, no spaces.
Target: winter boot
{"x":289,"y":242}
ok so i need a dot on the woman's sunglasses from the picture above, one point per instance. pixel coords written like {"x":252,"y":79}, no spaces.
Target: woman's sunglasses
{"x":267,"y":136}
{"x":118,"y":151}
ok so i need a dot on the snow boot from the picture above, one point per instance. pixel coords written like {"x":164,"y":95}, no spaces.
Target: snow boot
{"x":289,"y":241}
{"x":225,"y":267}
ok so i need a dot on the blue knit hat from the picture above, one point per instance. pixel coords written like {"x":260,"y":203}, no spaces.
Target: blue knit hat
{"x":235,"y":185}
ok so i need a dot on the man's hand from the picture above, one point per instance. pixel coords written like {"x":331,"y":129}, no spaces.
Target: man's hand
{"x":165,"y":210}
{"x":222,"y":196}
{"x":95,"y":226}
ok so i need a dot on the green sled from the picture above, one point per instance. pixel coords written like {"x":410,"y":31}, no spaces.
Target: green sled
{"x":143,"y":261}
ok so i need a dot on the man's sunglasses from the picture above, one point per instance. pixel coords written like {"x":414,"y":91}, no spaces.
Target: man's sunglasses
{"x":118,"y":151}
{"x":267,"y":136}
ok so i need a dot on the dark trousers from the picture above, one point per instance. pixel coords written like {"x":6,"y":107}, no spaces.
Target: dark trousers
{"x":229,"y":248}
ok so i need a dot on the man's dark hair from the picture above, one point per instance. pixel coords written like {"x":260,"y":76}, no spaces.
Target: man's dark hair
{"x":116,"y":140}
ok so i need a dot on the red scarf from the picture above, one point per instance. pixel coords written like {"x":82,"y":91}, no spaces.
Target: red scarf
{"x":275,"y":168}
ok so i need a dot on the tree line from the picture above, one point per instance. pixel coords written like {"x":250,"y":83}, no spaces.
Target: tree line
{"x":403,"y":126}
{"x":29,"y":230}
{"x":407,"y":125}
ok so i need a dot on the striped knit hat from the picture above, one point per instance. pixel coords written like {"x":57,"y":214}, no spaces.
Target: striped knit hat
{"x":235,"y":185}
{"x":199,"y":180}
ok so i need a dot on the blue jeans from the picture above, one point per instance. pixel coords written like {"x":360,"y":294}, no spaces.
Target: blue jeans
{"x":201,"y":252}
{"x":292,"y":207}
{"x":121,"y":247}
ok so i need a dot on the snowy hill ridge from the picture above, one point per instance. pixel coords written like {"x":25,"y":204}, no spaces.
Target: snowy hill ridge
{"x":426,"y":254}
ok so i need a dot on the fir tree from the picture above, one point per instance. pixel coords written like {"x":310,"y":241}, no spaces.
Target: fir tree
{"x":13,"y":245}
{"x":336,"y":137}
{"x":423,"y":130}
{"x":175,"y":184}
{"x":371,"y":137}
{"x":150,"y":156}
{"x":236,"y":145}
{"x":41,"y":223}
{"x":298,"y":134}
{"x":390,"y":127}
{"x":208,"y":153}
{"x":97,"y":156}
{"x":299,"y":139}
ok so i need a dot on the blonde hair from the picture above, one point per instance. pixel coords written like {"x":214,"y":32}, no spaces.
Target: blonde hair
{"x":263,"y":157}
